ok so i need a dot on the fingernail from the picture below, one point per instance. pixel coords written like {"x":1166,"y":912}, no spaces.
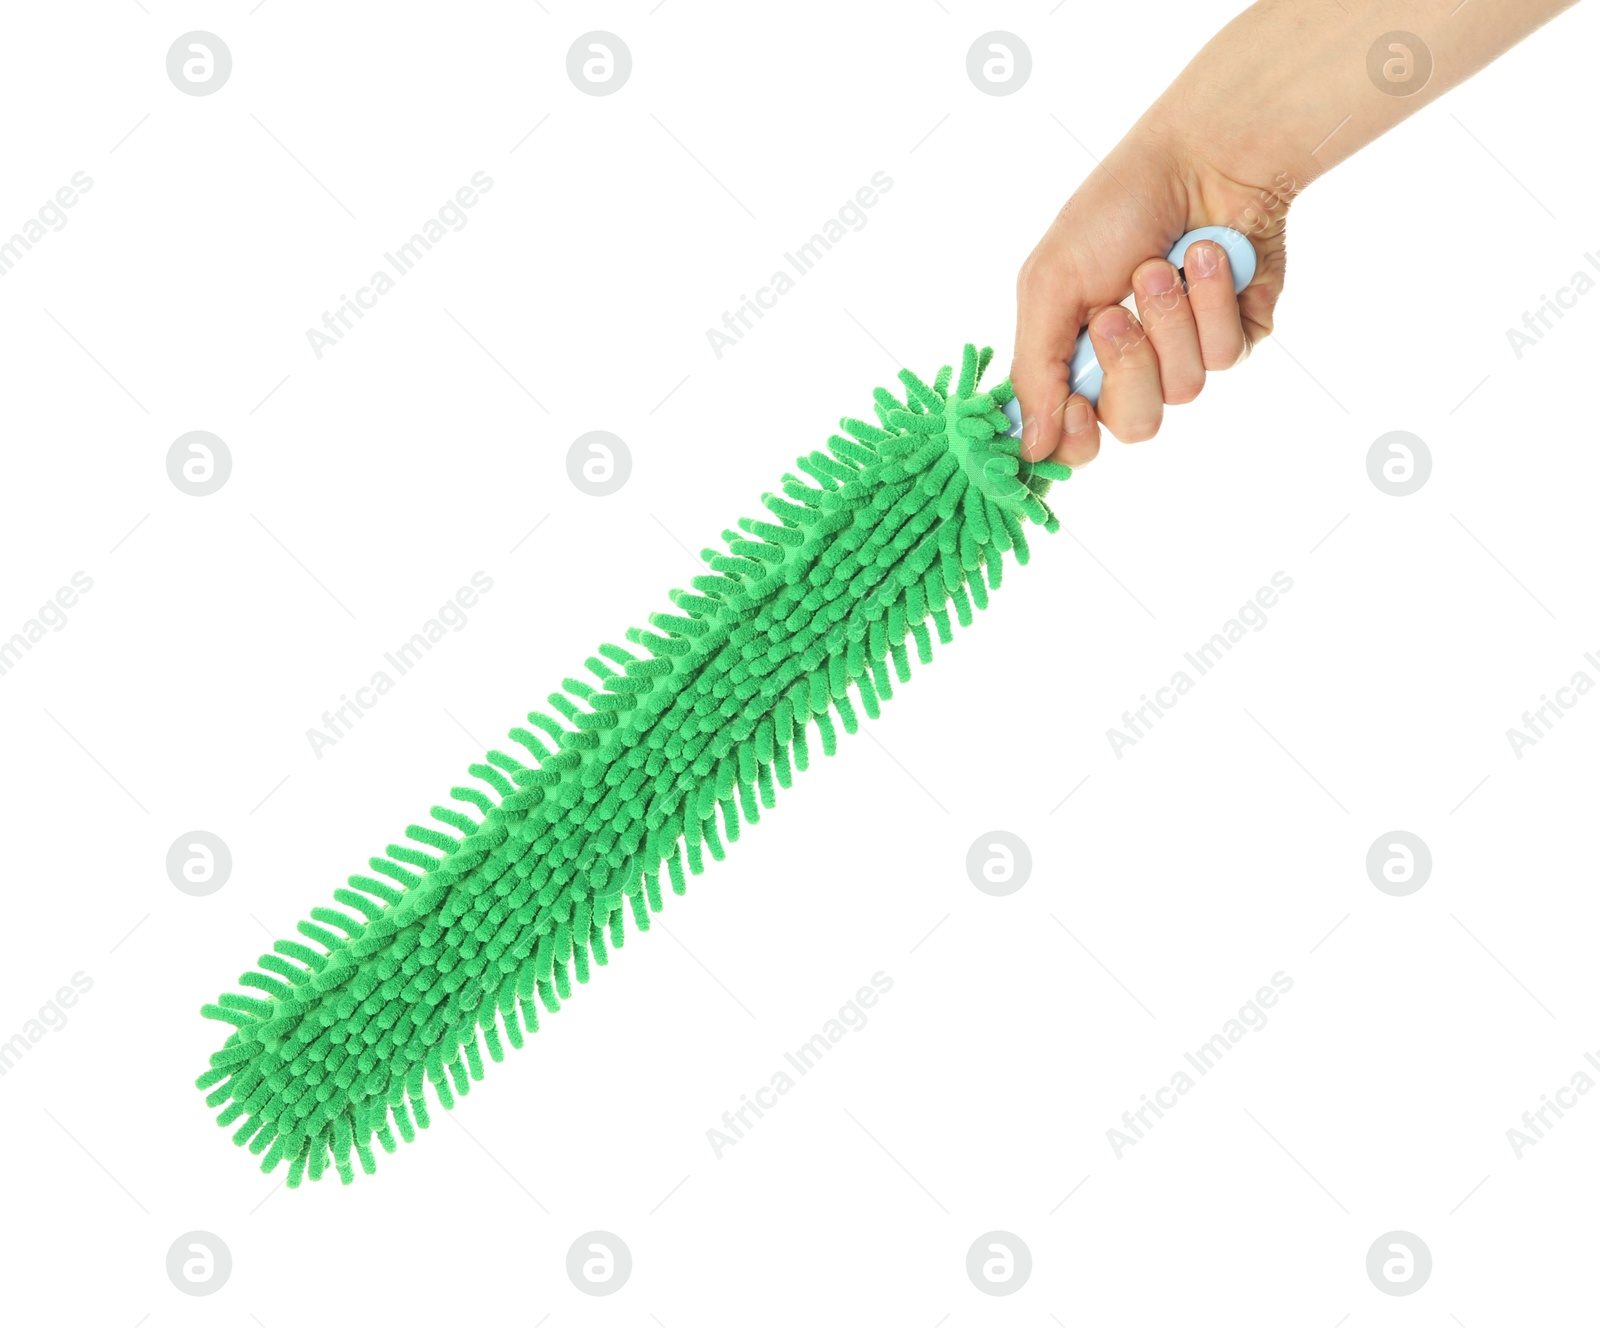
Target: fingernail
{"x":1119,"y":329}
{"x":1114,"y":323}
{"x":1206,"y":260}
{"x":1078,"y":417}
{"x":1158,"y":279}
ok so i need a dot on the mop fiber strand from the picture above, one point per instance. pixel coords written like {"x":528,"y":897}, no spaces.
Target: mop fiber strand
{"x":462,"y":933}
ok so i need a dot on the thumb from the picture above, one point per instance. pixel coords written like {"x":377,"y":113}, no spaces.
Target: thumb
{"x":1049,"y":317}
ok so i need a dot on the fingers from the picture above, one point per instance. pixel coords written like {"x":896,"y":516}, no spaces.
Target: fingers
{"x":1214,"y":304}
{"x":1168,"y":320}
{"x":1159,"y":358}
{"x":1130,"y":398}
{"x":1162,"y":357}
{"x":1080,"y":434}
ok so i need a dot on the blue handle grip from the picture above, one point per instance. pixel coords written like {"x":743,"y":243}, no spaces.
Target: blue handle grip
{"x":1083,"y":370}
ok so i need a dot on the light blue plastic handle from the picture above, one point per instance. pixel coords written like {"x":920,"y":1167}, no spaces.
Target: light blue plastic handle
{"x":1083,"y":371}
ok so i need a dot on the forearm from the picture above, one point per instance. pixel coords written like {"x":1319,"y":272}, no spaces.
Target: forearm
{"x":1296,"y":86}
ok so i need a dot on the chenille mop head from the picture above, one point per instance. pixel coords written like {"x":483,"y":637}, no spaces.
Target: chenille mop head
{"x":461,"y":934}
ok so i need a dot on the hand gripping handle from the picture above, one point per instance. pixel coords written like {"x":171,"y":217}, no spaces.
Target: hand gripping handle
{"x":1083,"y":370}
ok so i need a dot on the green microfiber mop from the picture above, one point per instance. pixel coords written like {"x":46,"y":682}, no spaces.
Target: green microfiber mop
{"x":903,"y":522}
{"x":454,"y":933}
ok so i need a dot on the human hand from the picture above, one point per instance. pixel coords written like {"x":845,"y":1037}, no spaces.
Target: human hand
{"x":1283,"y":93}
{"x":1109,"y":240}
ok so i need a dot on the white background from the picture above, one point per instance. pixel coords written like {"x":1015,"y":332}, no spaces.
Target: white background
{"x":370,"y":484}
